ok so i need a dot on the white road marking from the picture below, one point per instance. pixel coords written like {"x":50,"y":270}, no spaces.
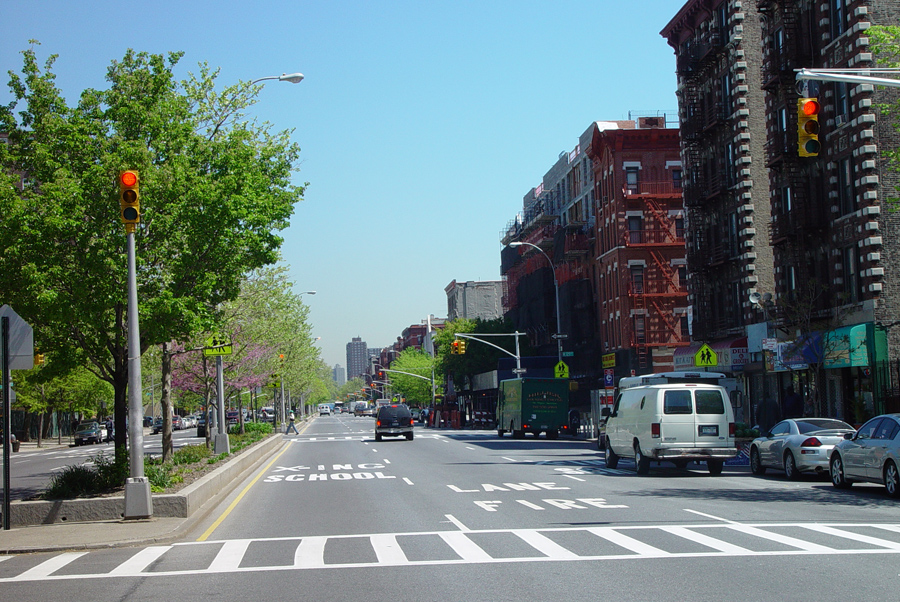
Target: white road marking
{"x":711,"y":516}
{"x":528,"y":504}
{"x":456,"y":522}
{"x":310,"y":553}
{"x":388,"y":549}
{"x":510,"y":459}
{"x":140,"y":561}
{"x":50,"y":566}
{"x":408,"y":482}
{"x":574,"y":478}
{"x":229,"y":557}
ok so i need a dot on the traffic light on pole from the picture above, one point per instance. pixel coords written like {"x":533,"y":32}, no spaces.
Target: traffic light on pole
{"x":808,"y":127}
{"x":454,"y":347}
{"x":462,"y":347}
{"x":129,"y":199}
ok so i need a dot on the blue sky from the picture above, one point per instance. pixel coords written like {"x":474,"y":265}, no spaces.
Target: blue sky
{"x":422,"y":124}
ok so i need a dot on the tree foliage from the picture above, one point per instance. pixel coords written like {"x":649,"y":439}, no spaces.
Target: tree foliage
{"x":215,"y":189}
{"x":416,"y":391}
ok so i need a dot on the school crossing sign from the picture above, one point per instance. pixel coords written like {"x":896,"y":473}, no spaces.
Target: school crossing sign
{"x":706,"y":357}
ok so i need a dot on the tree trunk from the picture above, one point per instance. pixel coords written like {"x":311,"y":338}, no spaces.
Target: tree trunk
{"x":165,"y":402}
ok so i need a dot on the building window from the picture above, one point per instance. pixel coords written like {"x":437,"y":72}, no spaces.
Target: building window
{"x":634,"y":230}
{"x":736,"y":301}
{"x":778,"y":44}
{"x":679,"y":227}
{"x":733,"y":243}
{"x":685,"y":327}
{"x":839,"y":18}
{"x":730,"y":179}
{"x":631,"y":180}
{"x":851,"y":275}
{"x":676,"y":179}
{"x":637,"y":279}
{"x":727,"y":108}
{"x":682,"y":277}
{"x":846,"y":192}
{"x":841,"y":104}
{"x":640,"y":330}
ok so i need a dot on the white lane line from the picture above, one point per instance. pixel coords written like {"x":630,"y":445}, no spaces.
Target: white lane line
{"x":545,"y":545}
{"x":456,"y":522}
{"x":724,"y":520}
{"x":50,"y":566}
{"x":140,"y":561}
{"x":706,"y":540}
{"x":386,"y":461}
{"x":629,"y":543}
{"x":230,"y":556}
{"x":789,"y":541}
{"x":310,"y":553}
{"x":464,"y":547}
{"x":884,"y":543}
{"x":472,"y":448}
{"x":408,"y":482}
{"x":574,"y":478}
{"x":387,"y":549}
{"x":510,"y":459}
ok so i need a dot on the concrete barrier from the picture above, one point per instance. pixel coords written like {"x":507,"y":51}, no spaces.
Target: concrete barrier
{"x":178,"y":505}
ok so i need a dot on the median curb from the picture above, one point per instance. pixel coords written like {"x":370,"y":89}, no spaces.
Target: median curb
{"x":173,"y":505}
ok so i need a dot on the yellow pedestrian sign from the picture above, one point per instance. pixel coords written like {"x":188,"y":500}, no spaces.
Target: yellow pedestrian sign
{"x":706,"y":357}
{"x":218,"y":344}
{"x":561,"y":370}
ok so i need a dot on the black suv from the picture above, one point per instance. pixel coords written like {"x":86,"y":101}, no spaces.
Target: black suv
{"x":394,"y":420}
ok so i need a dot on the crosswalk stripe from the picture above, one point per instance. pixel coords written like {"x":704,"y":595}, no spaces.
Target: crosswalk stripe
{"x":50,"y":566}
{"x":893,"y":545}
{"x":790,"y":541}
{"x":629,"y":543}
{"x":706,"y":540}
{"x":387,"y":549}
{"x":464,"y":547}
{"x":230,"y":556}
{"x":545,"y":545}
{"x":140,"y":561}
{"x":310,"y":552}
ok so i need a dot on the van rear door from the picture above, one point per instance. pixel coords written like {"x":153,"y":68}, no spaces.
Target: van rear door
{"x":712,"y":419}
{"x":677,"y":420}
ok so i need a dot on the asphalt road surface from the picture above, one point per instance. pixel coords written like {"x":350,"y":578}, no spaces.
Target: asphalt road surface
{"x":465,"y":515}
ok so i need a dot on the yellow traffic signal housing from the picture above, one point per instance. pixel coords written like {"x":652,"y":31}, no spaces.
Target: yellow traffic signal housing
{"x":129,"y":199}
{"x":38,"y":359}
{"x":454,"y":347}
{"x":808,"y":127}
{"x":462,"y":347}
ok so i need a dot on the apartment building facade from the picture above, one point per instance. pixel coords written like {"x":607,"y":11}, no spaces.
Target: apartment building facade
{"x":786,"y":252}
{"x":639,"y":268}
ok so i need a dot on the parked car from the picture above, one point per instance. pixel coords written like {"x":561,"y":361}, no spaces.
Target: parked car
{"x":871,"y":455}
{"x":88,"y":432}
{"x":177,"y":423}
{"x":157,"y":425}
{"x":394,"y":420}
{"x":797,"y":446}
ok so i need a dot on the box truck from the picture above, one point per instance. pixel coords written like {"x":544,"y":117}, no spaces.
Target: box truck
{"x":532,"y":405}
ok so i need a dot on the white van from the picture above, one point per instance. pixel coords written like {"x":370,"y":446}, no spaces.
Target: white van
{"x":677,"y":422}
{"x":324,"y":409}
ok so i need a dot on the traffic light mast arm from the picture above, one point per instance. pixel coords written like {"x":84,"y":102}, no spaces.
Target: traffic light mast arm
{"x":407,"y":373}
{"x":466,"y":335}
{"x":847,"y":75}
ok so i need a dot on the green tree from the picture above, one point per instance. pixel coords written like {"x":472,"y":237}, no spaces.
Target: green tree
{"x":479,"y":357}
{"x":416,"y":391}
{"x":215,"y":189}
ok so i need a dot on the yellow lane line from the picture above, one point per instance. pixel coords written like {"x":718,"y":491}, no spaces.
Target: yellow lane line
{"x":240,"y":496}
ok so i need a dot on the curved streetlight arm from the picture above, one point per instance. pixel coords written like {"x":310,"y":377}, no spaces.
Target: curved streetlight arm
{"x":558,"y":337}
{"x":294,"y":78}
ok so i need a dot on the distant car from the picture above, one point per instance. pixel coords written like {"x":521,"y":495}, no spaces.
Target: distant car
{"x":394,"y":420}
{"x":157,"y":425}
{"x":88,"y":432}
{"x":870,"y":455}
{"x":148,"y":421}
{"x":177,"y":423}
{"x":797,"y":446}
{"x":231,"y":416}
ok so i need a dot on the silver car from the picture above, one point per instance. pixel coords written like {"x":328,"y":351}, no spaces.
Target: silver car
{"x":872,"y":455}
{"x":797,"y":446}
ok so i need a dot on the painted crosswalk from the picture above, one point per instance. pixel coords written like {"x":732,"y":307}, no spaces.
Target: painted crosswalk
{"x":584,"y":544}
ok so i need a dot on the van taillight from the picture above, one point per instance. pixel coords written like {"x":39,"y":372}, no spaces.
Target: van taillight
{"x":654,"y":430}
{"x":377,"y":423}
{"x":732,"y":429}
{"x":411,"y":421}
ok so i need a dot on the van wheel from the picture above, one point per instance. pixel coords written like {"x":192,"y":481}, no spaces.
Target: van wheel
{"x":612,"y":459}
{"x":714,"y":467}
{"x":641,"y":462}
{"x":756,"y":466}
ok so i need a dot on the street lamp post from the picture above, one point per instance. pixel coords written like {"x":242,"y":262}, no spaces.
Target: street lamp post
{"x":294,"y":78}
{"x":558,"y":336}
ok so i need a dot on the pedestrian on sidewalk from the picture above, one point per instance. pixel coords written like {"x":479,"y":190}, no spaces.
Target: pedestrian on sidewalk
{"x":291,"y":425}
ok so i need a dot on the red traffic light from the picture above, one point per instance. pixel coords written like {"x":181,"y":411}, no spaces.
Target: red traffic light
{"x":810,"y":107}
{"x":129,"y":178}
